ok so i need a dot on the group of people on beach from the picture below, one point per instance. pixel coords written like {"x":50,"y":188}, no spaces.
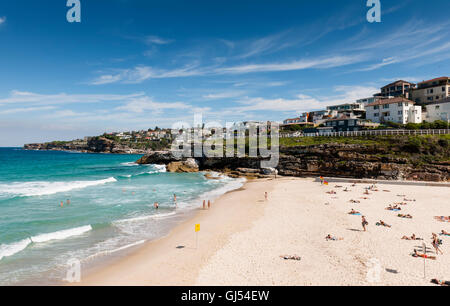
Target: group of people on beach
{"x":435,"y":241}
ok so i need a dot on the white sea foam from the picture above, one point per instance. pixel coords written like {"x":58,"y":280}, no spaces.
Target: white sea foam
{"x":40,"y":188}
{"x":7,"y":250}
{"x":60,"y":235}
{"x":129,"y":164}
{"x":108,"y":252}
{"x":158,"y":169}
{"x":147,"y":217}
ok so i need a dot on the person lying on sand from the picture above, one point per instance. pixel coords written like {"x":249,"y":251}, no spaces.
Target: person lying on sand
{"x":443,"y":218}
{"x":331,"y":192}
{"x":353,"y":212}
{"x":354,"y":201}
{"x":338,"y":186}
{"x":365,"y":198}
{"x":354,"y":185}
{"x":401,"y":203}
{"x":444,"y":233}
{"x":408,"y":216}
{"x":329,"y":237}
{"x":291,"y":257}
{"x":401,"y":195}
{"x":440,"y":282}
{"x":386,"y":190}
{"x":413,"y":237}
{"x":382,"y":223}
{"x":395,"y":207}
{"x":366,"y":192}
{"x":346,"y":190}
{"x":409,"y":200}
{"x":417,"y":254}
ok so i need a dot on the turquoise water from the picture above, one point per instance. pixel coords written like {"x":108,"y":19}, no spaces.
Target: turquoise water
{"x":111,"y":208}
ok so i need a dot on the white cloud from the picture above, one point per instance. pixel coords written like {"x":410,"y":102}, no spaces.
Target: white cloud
{"x":140,"y":105}
{"x":25,"y":110}
{"x":63,"y":98}
{"x":152,"y":39}
{"x":140,"y":74}
{"x":224,"y":95}
{"x":2,"y":20}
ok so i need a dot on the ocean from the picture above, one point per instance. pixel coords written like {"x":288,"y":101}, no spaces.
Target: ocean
{"x":110,"y":209}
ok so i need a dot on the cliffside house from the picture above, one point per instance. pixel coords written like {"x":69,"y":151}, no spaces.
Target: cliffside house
{"x":431,"y":91}
{"x":347,"y":124}
{"x":438,"y":111}
{"x":398,"y":88}
{"x":398,"y":110}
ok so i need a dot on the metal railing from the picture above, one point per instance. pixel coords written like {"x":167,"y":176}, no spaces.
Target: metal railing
{"x":367,"y":133}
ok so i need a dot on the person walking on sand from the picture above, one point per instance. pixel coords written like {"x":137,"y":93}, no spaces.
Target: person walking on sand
{"x":364,"y":222}
{"x":204,"y":204}
{"x":435,"y":243}
{"x":209,"y":204}
{"x":266,"y":195}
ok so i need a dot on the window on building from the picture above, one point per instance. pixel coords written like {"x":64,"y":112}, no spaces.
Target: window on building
{"x":400,"y":113}
{"x":400,"y":104}
{"x":437,"y":107}
{"x":341,"y":122}
{"x":443,"y":89}
{"x":376,"y":115}
{"x":386,"y":106}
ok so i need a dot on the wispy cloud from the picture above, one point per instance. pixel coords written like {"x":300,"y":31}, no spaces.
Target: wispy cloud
{"x":152,"y":39}
{"x":2,"y":20}
{"x":224,"y":95}
{"x":140,"y":74}
{"x":142,"y":104}
{"x":62,"y":98}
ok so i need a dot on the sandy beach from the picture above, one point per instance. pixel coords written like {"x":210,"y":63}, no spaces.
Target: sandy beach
{"x":242,"y":237}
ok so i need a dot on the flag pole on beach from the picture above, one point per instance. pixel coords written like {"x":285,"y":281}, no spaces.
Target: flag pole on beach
{"x":424,"y":260}
{"x":197,"y":229}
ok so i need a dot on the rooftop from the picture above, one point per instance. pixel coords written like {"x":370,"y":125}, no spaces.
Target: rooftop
{"x":399,"y":81}
{"x":390,"y":101}
{"x":434,"y":80}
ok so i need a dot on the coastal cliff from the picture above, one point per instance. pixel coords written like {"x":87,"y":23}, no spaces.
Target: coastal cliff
{"x":412,"y":158}
{"x":92,"y":145}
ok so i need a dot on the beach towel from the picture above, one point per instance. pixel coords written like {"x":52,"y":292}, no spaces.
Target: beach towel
{"x":444,"y":235}
{"x":358,"y":214}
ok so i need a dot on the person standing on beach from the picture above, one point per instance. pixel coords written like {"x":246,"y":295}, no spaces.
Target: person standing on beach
{"x":266,"y":195}
{"x":204,"y":204}
{"x":209,"y":204}
{"x":364,"y":222}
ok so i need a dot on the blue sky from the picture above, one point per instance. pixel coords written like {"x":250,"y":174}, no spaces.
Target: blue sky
{"x":135,"y":64}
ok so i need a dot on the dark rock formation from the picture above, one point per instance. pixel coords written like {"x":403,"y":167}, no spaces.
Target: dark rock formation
{"x":335,"y":160}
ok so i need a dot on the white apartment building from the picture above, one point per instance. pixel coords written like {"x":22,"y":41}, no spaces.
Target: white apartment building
{"x":438,"y":111}
{"x":431,"y":91}
{"x":398,"y":110}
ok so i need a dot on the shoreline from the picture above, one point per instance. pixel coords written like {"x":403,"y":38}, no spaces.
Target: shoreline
{"x":243,"y":236}
{"x":159,"y":255}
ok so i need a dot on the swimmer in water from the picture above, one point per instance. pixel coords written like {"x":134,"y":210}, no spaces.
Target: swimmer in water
{"x":156,"y":205}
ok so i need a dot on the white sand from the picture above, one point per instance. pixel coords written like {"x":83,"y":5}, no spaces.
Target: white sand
{"x":296,"y":220}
